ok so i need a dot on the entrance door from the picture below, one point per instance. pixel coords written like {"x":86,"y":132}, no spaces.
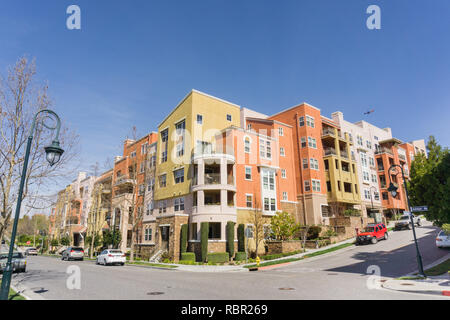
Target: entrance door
{"x":165,"y":238}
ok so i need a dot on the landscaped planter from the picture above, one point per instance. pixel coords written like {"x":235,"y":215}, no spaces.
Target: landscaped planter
{"x":274,"y":247}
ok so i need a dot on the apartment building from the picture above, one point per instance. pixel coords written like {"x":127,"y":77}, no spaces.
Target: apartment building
{"x":100,"y":206}
{"x":72,"y":209}
{"x":128,"y":190}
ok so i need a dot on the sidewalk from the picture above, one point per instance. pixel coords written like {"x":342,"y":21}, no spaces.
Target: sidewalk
{"x":438,"y":285}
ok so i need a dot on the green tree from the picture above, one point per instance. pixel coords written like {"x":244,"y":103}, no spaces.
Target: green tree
{"x":230,"y":238}
{"x":430,"y":182}
{"x":65,"y":241}
{"x":111,"y":238}
{"x":283,"y":226}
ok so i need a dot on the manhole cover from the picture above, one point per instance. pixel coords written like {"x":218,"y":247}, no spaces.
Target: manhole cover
{"x":154,"y":293}
{"x":407,"y":284}
{"x":286,"y":289}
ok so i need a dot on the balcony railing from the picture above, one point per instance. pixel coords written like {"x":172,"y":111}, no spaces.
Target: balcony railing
{"x":402,"y":157}
{"x":329,"y":151}
{"x":344,"y":154}
{"x":212,"y":178}
{"x":124,"y":179}
{"x":328,"y":132}
{"x":383,"y":150}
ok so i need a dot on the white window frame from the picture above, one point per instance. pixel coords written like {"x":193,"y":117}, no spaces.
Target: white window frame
{"x":251,"y":175}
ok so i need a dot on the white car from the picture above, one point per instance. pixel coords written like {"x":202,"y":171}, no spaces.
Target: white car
{"x":111,"y":256}
{"x":443,"y":240}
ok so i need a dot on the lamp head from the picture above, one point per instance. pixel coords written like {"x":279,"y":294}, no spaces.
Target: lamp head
{"x":393,"y":190}
{"x":53,"y":153}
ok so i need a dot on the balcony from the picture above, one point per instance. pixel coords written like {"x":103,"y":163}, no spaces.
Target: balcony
{"x":329,"y":152}
{"x":124,"y":180}
{"x":328,"y":132}
{"x":383,"y":150}
{"x":212,"y":178}
{"x":402,"y":157}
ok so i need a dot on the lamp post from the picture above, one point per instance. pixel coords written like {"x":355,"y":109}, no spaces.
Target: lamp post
{"x":371,"y":198}
{"x":53,"y":154}
{"x":393,"y":190}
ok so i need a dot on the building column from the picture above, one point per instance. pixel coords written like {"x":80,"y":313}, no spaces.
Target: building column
{"x":201,"y":172}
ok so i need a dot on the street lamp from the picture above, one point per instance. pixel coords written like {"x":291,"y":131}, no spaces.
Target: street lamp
{"x":393,"y":190}
{"x":371,"y":197}
{"x":53,"y":155}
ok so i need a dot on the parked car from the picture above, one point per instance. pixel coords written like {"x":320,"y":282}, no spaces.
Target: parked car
{"x":372,"y":233}
{"x":443,"y":240}
{"x":405,"y":222}
{"x":31,"y":252}
{"x":73,"y":253}
{"x":111,"y":256}
{"x":19,"y":262}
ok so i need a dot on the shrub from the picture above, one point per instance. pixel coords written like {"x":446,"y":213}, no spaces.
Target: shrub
{"x":313,"y":232}
{"x":352,"y":213}
{"x":240,"y":256}
{"x":54,"y":243}
{"x":241,"y":238}
{"x":188,"y":256}
{"x":218,"y":257}
{"x":184,"y":236}
{"x":230,"y":238}
{"x":65,"y":241}
{"x":280,"y":255}
{"x":204,"y":230}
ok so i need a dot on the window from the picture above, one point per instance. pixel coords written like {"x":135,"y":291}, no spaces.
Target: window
{"x":314,"y":164}
{"x":149,"y":208}
{"x":247,"y":145}
{"x":312,"y":143}
{"x":359,"y":140}
{"x":265,"y":150}
{"x":165,"y":142}
{"x":248,"y":173}
{"x":385,"y":196}
{"x":303,"y":141}
{"x":315,"y":185}
{"x":372,"y":162}
{"x":162,"y":180}
{"x":368,"y":144}
{"x":366,"y":194}
{"x":144,"y":148}
{"x":151,"y":185}
{"x":326,"y":164}
{"x":301,"y":121}
{"x":133,"y":154}
{"x":363,"y":159}
{"x":148,"y":234}
{"x":328,"y":186}
{"x":179,"y":175}
{"x":366,"y":176}
{"x":269,"y":204}
{"x":179,"y":204}
{"x":307,"y":185}
{"x":142,"y":167}
{"x":180,"y":130}
{"x":162,"y":206}
{"x":283,"y":173}
{"x":199,"y":119}
{"x":249,"y":126}
{"x":272,"y":205}
{"x":266,"y":204}
{"x":374,"y":178}
{"x":268,"y":180}
{"x":285,"y":195}
{"x":249,"y":200}
{"x":214,"y":230}
{"x":280,"y":132}
{"x":282,"y":152}
{"x":228,"y":117}
{"x":347,"y":187}
{"x":310,"y":121}
{"x":141,"y":189}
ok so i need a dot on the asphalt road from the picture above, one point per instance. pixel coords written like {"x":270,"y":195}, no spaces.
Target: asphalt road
{"x":339,"y":275}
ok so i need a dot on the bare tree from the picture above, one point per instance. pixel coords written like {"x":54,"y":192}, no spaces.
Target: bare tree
{"x":21,"y":97}
{"x":257,"y":220}
{"x":336,"y":208}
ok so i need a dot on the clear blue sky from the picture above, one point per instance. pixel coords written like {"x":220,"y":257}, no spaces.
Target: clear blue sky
{"x":133,"y":61}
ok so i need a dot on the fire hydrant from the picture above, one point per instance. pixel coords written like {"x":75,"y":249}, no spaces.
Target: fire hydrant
{"x":257,"y":261}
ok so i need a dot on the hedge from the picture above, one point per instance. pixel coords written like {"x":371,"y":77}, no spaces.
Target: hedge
{"x":240,"y":256}
{"x":230,"y":238}
{"x":218,"y":257}
{"x":241,"y":238}
{"x":184,"y":236}
{"x":204,"y":231}
{"x":188,"y":256}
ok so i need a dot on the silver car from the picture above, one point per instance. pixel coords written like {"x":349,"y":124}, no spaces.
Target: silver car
{"x":31,"y":252}
{"x":405,"y":222}
{"x":73,"y":253}
{"x":19,"y":263}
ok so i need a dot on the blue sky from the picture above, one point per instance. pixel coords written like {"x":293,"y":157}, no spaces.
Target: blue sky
{"x":134,"y":61}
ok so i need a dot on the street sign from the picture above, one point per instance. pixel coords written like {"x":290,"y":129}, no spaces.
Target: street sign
{"x":419,"y":209}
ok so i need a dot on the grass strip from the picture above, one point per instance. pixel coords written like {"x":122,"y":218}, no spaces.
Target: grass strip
{"x":271,"y":263}
{"x":318,"y":253}
{"x":14,"y":295}
{"x":441,"y":268}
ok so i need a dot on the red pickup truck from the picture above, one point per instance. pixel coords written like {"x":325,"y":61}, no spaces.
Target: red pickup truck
{"x":372,"y":233}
